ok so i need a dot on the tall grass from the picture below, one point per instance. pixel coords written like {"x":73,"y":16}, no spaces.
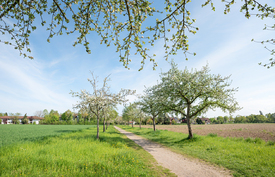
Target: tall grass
{"x":79,"y":154}
{"x":12,"y":134}
{"x":245,"y":157}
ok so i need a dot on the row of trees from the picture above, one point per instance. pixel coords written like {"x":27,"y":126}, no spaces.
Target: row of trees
{"x":186,"y":93}
{"x":168,"y":120}
{"x":101,"y":103}
{"x":268,"y":118}
{"x":70,"y":118}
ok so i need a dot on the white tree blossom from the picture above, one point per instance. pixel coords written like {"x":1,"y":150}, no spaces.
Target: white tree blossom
{"x":194,"y":92}
{"x":100,"y":98}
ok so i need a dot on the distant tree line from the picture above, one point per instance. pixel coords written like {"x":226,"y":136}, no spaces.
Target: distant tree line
{"x":268,"y":118}
{"x":71,"y":118}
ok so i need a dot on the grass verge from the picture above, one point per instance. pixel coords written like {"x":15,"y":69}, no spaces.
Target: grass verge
{"x":245,"y":157}
{"x":79,"y":154}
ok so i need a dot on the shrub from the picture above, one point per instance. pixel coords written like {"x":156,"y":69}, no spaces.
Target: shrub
{"x":199,"y":121}
{"x":270,"y":143}
{"x":173,"y":122}
{"x":256,"y":140}
{"x":212,"y":135}
{"x":149,"y":122}
{"x":15,"y":121}
{"x":25,"y":120}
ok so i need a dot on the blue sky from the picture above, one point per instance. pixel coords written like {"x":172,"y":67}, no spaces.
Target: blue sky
{"x":223,"y":41}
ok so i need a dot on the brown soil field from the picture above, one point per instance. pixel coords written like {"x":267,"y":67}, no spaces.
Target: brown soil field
{"x":263,"y":131}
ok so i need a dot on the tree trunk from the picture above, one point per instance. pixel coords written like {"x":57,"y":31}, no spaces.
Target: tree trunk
{"x":140,"y":123}
{"x":103,"y":120}
{"x":104,"y":124}
{"x":154,"y":123}
{"x":97,"y":134}
{"x":189,"y":123}
{"x":132,"y":123}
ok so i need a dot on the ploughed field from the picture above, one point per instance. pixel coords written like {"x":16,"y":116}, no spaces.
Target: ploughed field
{"x":263,"y":131}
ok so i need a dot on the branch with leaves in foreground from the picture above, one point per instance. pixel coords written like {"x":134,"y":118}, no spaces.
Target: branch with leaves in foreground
{"x":121,"y":23}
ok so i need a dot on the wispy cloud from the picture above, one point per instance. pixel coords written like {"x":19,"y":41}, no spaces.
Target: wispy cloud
{"x":24,"y":82}
{"x":223,"y":41}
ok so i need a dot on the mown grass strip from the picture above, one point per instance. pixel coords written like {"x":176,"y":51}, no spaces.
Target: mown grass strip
{"x":13,"y":134}
{"x":245,"y":157}
{"x":79,"y":154}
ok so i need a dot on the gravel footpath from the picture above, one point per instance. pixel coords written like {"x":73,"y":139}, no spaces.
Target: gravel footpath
{"x":177,"y":163}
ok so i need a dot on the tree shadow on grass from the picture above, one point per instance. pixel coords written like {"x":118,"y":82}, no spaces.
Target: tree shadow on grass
{"x":158,"y":137}
{"x":112,"y":137}
{"x":179,"y":143}
{"x":46,"y":138}
{"x":64,"y":131}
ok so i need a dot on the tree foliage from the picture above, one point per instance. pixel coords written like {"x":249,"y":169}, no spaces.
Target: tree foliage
{"x":194,"y":92}
{"x":122,"y":23}
{"x":15,"y":119}
{"x":25,"y":119}
{"x":109,"y":114}
{"x":132,"y":113}
{"x":251,"y":119}
{"x":199,"y":121}
{"x":151,"y":104}
{"x":67,"y":116}
{"x":271,"y":117}
{"x":50,"y":118}
{"x":100,"y":98}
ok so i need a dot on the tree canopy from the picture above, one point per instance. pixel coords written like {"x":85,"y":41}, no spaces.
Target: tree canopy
{"x":151,"y":104}
{"x":101,"y":98}
{"x":194,"y":92}
{"x":122,"y":23}
{"x":131,"y":112}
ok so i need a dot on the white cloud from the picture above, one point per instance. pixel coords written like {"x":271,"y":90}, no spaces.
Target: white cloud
{"x":25,"y":86}
{"x":223,"y":41}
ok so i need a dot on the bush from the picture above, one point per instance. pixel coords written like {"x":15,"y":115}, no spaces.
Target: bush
{"x":212,"y":135}
{"x":15,"y":121}
{"x":149,"y":122}
{"x":199,"y":121}
{"x":270,"y":143}
{"x":25,"y":121}
{"x":256,"y":140}
{"x":173,"y":122}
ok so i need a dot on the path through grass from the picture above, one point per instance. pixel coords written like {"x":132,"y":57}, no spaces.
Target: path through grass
{"x":79,"y":154}
{"x":245,"y":157}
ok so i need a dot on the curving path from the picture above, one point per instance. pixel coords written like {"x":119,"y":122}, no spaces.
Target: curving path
{"x":177,"y":163}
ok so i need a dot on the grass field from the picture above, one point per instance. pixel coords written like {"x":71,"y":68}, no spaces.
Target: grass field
{"x":77,"y":154}
{"x":12,"y":134}
{"x":245,"y":157}
{"x":263,"y":131}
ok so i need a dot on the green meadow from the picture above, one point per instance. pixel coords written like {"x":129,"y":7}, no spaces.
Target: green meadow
{"x":12,"y":134}
{"x":75,"y":152}
{"x":244,"y":157}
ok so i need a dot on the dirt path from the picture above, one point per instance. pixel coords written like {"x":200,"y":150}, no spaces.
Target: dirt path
{"x":177,"y":163}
